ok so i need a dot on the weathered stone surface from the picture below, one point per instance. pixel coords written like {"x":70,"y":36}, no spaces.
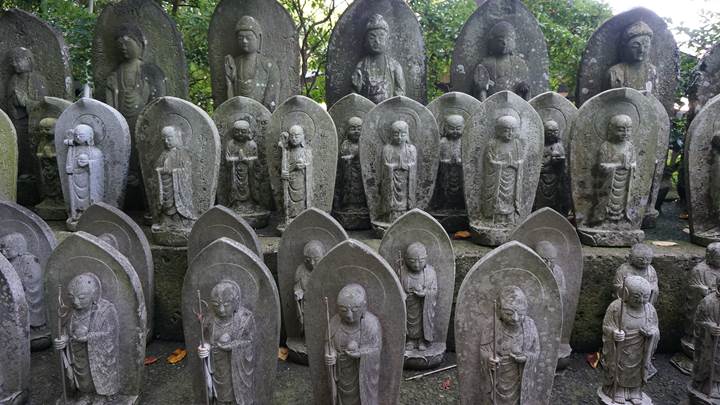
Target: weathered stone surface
{"x":352,"y":62}
{"x":452,"y":112}
{"x":306,"y":240}
{"x":179,"y":150}
{"x":116,"y":332}
{"x":554,"y":185}
{"x":663,"y":138}
{"x":349,"y":203}
{"x":302,"y":150}
{"x":419,"y":251}
{"x":510,"y":277}
{"x":612,"y":162}
{"x":501,"y":171}
{"x":702,"y":390}
{"x":244,"y":185}
{"x":117,"y":229}
{"x":92,"y":143}
{"x":500,"y":47}
{"x":704,"y":82}
{"x":398,"y":170}
{"x":14,"y":337}
{"x":35,"y":64}
{"x":275,"y":46}
{"x":8,"y":160}
{"x":555,"y":240}
{"x":221,"y":222}
{"x":379,"y":314}
{"x":226,"y":274}
{"x":655,"y":68}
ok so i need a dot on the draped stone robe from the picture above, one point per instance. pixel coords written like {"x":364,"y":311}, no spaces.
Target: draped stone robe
{"x":27,"y":266}
{"x":649,"y":274}
{"x":256,"y":77}
{"x":298,"y":187}
{"x":130,"y":93}
{"x":242,"y":158}
{"x":615,"y":181}
{"x":350,"y":192}
{"x":502,"y":179}
{"x":449,"y":185}
{"x":497,"y":73}
{"x":302,"y":278}
{"x":551,"y":187}
{"x":378,"y":77}
{"x":420,"y":310}
{"x":702,"y":282}
{"x":636,"y":75}
{"x":174,"y":173}
{"x":706,"y":358}
{"x":86,"y":184}
{"x":398,"y":179}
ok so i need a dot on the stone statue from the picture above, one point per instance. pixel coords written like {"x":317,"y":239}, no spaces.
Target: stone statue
{"x":134,"y":82}
{"x":173,"y":170}
{"x":635,"y":69}
{"x":630,"y":336}
{"x":25,"y":87}
{"x":551,"y":190}
{"x":503,"y":173}
{"x":351,"y":194}
{"x":714,"y":176}
{"x":354,"y":348}
{"x":378,"y":76}
{"x":50,"y":186}
{"x":296,"y":172}
{"x":230,"y":331}
{"x":704,"y":389}
{"x":639,"y":263}
{"x":89,"y":342}
{"x":312,"y":253}
{"x":249,"y":73}
{"x":85,"y":168}
{"x":399,"y":172}
{"x":449,"y":192}
{"x":14,"y":343}
{"x":15,"y":249}
{"x":548,"y":252}
{"x":501,"y":69}
{"x":617,"y":162}
{"x":241,"y":155}
{"x":420,"y":283}
{"x":703,"y":278}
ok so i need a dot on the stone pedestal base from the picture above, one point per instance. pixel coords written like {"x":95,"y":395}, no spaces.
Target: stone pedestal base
{"x":705,"y":238}
{"x":297,"y":351}
{"x":257,"y":219}
{"x":650,"y":219}
{"x":696,"y":397}
{"x":452,"y":220}
{"x":71,"y":224}
{"x":564,"y":353}
{"x":610,"y":238}
{"x":170,"y":237}
{"x":379,"y":228}
{"x":114,"y":400}
{"x":605,"y":400}
{"x":51,"y":210}
{"x":423,"y":360}
{"x":353,"y":219}
{"x":487,"y":236}
{"x":682,"y":363}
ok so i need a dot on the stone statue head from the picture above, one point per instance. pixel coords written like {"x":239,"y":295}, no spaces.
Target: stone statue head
{"x":416,"y":257}
{"x":46,"y":126}
{"x":501,"y":39}
{"x":637,"y":291}
{"x":547,"y":251}
{"x":242,"y":131}
{"x":248,"y":33}
{"x":712,"y":254}
{"x":110,"y":239}
{"x":552,"y":132}
{"x":225,"y":299}
{"x":506,"y":128}
{"x":353,"y":129}
{"x":352,"y":304}
{"x":376,"y":34}
{"x":130,"y":41}
{"x":296,"y":136}
{"x":172,"y":137}
{"x":13,"y":245}
{"x":84,"y":290}
{"x":22,"y":60}
{"x":400,"y":132}
{"x":513,"y":306}
{"x":453,"y":126}
{"x":715,"y":143}
{"x":619,"y":128}
{"x":641,"y":256}
{"x":636,"y":41}
{"x":83,"y":134}
{"x":312,"y":253}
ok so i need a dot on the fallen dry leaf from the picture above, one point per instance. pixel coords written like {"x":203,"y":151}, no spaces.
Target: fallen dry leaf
{"x":445,"y":385}
{"x":461,"y":235}
{"x":177,"y":356}
{"x":684,"y":215}
{"x":593,"y":359}
{"x":150,"y":360}
{"x":664,"y":243}
{"x":282,"y":353}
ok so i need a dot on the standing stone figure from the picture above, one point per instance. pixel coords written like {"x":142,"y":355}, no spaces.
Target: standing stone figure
{"x":296,"y":172}
{"x":173,"y":175}
{"x":639,"y":263}
{"x":551,"y":190}
{"x":714,"y":176}
{"x":85,"y":168}
{"x":351,"y":194}
{"x":25,"y":87}
{"x":547,"y":251}
{"x":50,"y":187}
{"x":635,"y":69}
{"x":703,"y":278}
{"x":449,"y":192}
{"x":241,"y":155}
{"x":312,"y":252}
{"x":89,"y":343}
{"x":501,"y":69}
{"x":399,"y":172}
{"x":630,"y":336}
{"x":419,"y":282}
{"x":15,"y":345}
{"x":230,"y":334}
{"x":354,"y":348}
{"x":704,"y":389}
{"x":249,"y":73}
{"x":503,"y":162}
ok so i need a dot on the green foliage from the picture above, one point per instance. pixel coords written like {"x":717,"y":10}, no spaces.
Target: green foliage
{"x":703,"y":38}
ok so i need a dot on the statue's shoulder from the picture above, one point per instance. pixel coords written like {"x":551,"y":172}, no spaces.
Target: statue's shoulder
{"x":371,"y":322}
{"x":152,"y":71}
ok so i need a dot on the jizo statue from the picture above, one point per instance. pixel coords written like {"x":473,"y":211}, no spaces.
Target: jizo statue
{"x":399,"y":172}
{"x":705,"y":385}
{"x":703,"y":279}
{"x":352,"y":195}
{"x":89,"y":342}
{"x":715,"y":175}
{"x":449,"y":185}
{"x":353,"y":351}
{"x":503,"y":162}
{"x":312,"y":253}
{"x":50,"y":186}
{"x":639,"y":263}
{"x":249,"y":73}
{"x":295,"y":172}
{"x":378,"y":76}
{"x":551,"y":188}
{"x":24,"y":87}
{"x":173,"y":171}
{"x":502,"y":69}
{"x":228,"y":350}
{"x":419,"y":282}
{"x":547,"y":251}
{"x":635,"y":69}
{"x":241,"y":154}
{"x":85,"y":168}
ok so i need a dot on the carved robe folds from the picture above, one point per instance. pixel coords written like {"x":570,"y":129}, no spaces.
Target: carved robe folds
{"x":399,"y":179}
{"x":420,"y":309}
{"x":378,"y":78}
{"x":175,"y":185}
{"x":297,"y":163}
{"x":503,"y":173}
{"x":242,"y":158}
{"x":616,"y":174}
{"x":86,"y":175}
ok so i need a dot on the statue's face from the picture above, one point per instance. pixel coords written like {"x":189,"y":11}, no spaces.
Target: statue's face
{"x":248,"y":41}
{"x":454,"y":128}
{"x":505,"y":132}
{"x":81,"y":297}
{"x":224,"y":302}
{"x":297,"y":137}
{"x":638,"y":48}
{"x":399,"y":134}
{"x":351,"y":311}
{"x":637,"y":299}
{"x":416,"y":262}
{"x":376,"y":41}
{"x":47,"y":129}
{"x":621,"y":131}
{"x":12,"y":246}
{"x":311,"y":260}
{"x":640,"y":261}
{"x":83,"y":135}
{"x":354,"y":129}
{"x":129,"y":48}
{"x":21,"y":62}
{"x":552,"y":133}
{"x":511,"y":316}
{"x":502,"y":44}
{"x":241,"y":131}
{"x":713,"y":257}
{"x":170,"y":138}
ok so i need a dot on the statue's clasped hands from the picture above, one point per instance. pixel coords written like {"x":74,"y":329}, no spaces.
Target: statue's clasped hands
{"x":204,"y":351}
{"x":60,"y":343}
{"x":618,"y":335}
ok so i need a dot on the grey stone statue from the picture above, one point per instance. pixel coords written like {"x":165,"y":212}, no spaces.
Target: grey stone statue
{"x":639,"y":263}
{"x":502,"y":69}
{"x":173,"y":171}
{"x":241,"y":154}
{"x":635,"y":69}
{"x":704,"y":84}
{"x":14,"y":342}
{"x":52,"y":204}
{"x":630,"y":336}
{"x":502,"y":176}
{"x":420,"y":284}
{"x":9,"y":161}
{"x":704,"y":389}
{"x":398,"y":181}
{"x":85,"y":171}
{"x":313,"y":251}
{"x":617,"y":163}
{"x":296,"y":172}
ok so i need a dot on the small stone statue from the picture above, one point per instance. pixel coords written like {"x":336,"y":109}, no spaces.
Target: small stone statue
{"x":449,"y":192}
{"x":502,"y":69}
{"x":714,"y":177}
{"x":419,"y":282}
{"x":704,"y":389}
{"x":173,"y":176}
{"x":635,"y":69}
{"x":251,"y":74}
{"x":378,"y":76}
{"x":85,"y":168}
{"x":551,"y":190}
{"x":354,"y":349}
{"x":703,"y":278}
{"x":508,"y":355}
{"x":630,"y":336}
{"x":312,"y":252}
{"x":503,"y":162}
{"x":639,"y":263}
{"x":241,"y":154}
{"x":617,"y":162}
{"x":296,"y":172}
{"x":351,"y":194}
{"x":25,"y":87}
{"x":89,"y":342}
{"x":547,"y":251}
{"x":50,"y":186}
{"x":228,"y":351}
{"x":399,"y":173}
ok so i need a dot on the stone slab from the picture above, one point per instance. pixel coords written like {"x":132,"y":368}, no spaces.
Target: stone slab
{"x":222,"y":222}
{"x":14,"y":336}
{"x":9,"y":161}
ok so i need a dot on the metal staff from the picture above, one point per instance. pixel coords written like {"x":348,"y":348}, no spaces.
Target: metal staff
{"x":620,"y":327}
{"x":494,"y":349}
{"x":62,"y":312}
{"x":199,"y":313}
{"x":331,"y":369}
